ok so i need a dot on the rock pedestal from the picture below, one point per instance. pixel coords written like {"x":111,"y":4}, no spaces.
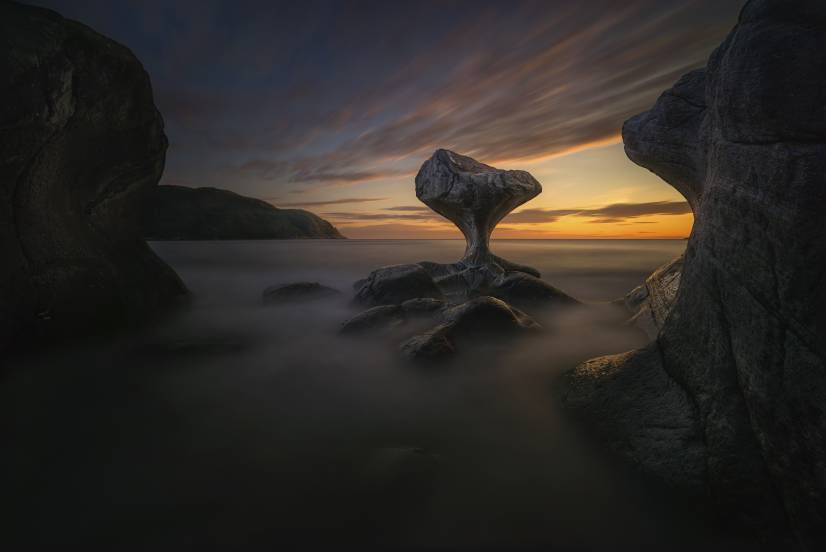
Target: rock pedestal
{"x":471,"y":296}
{"x":475,"y":197}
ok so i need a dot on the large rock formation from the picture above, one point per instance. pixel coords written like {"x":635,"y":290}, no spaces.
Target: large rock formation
{"x":737,"y":375}
{"x":475,"y":197}
{"x":472,"y":295}
{"x":181,"y":213}
{"x":81,"y":143}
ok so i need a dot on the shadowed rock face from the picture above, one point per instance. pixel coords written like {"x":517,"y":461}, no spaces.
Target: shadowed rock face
{"x":743,"y":350}
{"x":474,"y":196}
{"x":483,"y":319}
{"x":81,"y":142}
{"x":666,"y":140}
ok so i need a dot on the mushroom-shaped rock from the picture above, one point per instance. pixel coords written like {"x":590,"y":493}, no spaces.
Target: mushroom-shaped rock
{"x":475,"y":197}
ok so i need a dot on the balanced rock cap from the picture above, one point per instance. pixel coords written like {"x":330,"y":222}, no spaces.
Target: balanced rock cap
{"x":474,"y":196}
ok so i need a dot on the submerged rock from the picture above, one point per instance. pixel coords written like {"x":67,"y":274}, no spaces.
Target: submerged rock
{"x":81,"y":145}
{"x":475,"y":322}
{"x":381,"y":318}
{"x":422,"y":306}
{"x":393,"y":285}
{"x":432,"y":346}
{"x":297,"y":292}
{"x":528,"y":292}
{"x":475,"y":197}
{"x":745,"y":340}
{"x":487,"y":316}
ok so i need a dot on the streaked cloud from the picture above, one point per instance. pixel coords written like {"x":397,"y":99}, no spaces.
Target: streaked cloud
{"x":382,"y":216}
{"x":341,"y":201}
{"x":270,"y":98}
{"x":614,"y":213}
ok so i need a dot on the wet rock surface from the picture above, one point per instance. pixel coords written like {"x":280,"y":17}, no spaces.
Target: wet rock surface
{"x":81,"y":145}
{"x":745,"y":340}
{"x":297,"y":292}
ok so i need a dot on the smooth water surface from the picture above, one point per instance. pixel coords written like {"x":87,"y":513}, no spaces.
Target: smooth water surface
{"x":237,"y":426}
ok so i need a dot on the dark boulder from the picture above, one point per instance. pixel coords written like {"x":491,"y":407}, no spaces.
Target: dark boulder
{"x":528,"y":292}
{"x":487,"y":316}
{"x":480,"y":321}
{"x":377,"y":319}
{"x":81,"y":146}
{"x":393,"y":285}
{"x":429,"y":347}
{"x":422,"y":306}
{"x":745,"y":339}
{"x":297,"y":292}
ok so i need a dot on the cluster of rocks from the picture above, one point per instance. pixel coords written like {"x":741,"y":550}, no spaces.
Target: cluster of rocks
{"x":480,"y":296}
{"x":474,"y":298}
{"x":730,"y":397}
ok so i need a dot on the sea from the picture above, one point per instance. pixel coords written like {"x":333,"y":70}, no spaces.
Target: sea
{"x":234,"y":425}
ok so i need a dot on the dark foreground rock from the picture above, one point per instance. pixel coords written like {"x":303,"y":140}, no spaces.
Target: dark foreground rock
{"x":377,"y":319}
{"x":297,"y":292}
{"x":422,"y":306}
{"x":392,"y":285}
{"x":181,"y":213}
{"x":529,"y":292}
{"x":81,"y":145}
{"x":478,"y":321}
{"x":745,"y":341}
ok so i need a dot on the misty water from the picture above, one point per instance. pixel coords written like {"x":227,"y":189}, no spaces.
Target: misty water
{"x":233,"y":425}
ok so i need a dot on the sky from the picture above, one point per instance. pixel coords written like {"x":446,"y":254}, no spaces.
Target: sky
{"x":332,"y":106}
